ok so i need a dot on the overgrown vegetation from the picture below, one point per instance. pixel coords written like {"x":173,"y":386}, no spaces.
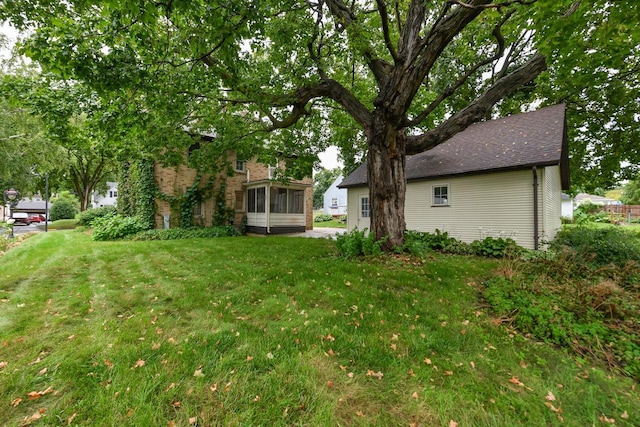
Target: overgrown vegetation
{"x":87,"y":217}
{"x":114,"y":227}
{"x":584,"y":295}
{"x":186,"y":233}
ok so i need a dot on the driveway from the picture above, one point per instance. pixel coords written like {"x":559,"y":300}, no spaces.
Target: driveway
{"x":321,"y":232}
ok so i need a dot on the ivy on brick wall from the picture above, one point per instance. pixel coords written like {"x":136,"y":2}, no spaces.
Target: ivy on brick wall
{"x":183,"y":204}
{"x":137,"y":190}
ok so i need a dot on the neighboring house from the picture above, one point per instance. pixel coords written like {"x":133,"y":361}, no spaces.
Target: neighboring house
{"x":109,"y":198}
{"x":499,"y":178}
{"x":35,"y":205}
{"x":597,"y":200}
{"x":335,"y":199}
{"x":270,"y":206}
{"x":567,"y":206}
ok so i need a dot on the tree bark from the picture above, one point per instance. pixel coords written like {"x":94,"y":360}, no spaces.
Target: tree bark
{"x":387,"y":182}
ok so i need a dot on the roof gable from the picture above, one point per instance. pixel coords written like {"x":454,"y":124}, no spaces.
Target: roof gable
{"x":536,"y":138}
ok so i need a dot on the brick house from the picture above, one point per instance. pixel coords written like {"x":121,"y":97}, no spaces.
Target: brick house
{"x":270,"y":206}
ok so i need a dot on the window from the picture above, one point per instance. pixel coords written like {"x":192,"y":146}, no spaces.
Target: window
{"x":198,"y":210}
{"x":365,"y":208}
{"x":296,"y":201}
{"x":285,"y":200}
{"x":278,"y":200}
{"x":440,"y":195}
{"x":334,"y":202}
{"x":256,"y":199}
{"x":240,"y":165}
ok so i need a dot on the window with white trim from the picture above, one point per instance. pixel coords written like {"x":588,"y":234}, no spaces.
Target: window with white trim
{"x":365,"y":207}
{"x":440,"y":195}
{"x":240,"y":165}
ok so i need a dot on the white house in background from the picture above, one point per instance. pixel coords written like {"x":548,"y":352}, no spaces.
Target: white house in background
{"x":499,"y":178}
{"x":597,"y":200}
{"x":109,"y":198}
{"x":335,"y":199}
{"x":567,"y":206}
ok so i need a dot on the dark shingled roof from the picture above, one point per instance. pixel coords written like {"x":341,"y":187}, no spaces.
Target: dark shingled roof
{"x":521,"y":141}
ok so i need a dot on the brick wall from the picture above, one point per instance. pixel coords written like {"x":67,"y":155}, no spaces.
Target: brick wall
{"x":175,"y":180}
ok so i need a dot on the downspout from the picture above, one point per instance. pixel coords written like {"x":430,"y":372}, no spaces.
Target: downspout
{"x":535,"y":209}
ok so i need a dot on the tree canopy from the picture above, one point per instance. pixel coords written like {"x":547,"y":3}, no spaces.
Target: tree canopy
{"x":390,"y":78}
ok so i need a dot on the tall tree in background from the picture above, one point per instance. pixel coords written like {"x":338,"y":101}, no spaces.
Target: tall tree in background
{"x":68,"y":115}
{"x":410,"y":74}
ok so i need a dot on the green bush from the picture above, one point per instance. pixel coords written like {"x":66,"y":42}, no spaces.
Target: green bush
{"x":600,"y":246}
{"x":495,"y":248}
{"x":62,"y":209}
{"x":322,"y":218}
{"x":115,"y":227}
{"x":358,"y":243}
{"x":186,"y":233}
{"x":87,"y":217}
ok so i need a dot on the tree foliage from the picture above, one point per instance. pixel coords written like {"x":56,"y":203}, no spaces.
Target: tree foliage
{"x":287,"y":78}
{"x":631,"y":193}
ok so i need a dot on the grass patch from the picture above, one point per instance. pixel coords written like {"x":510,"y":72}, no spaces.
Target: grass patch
{"x":273,"y":331}
{"x":62,"y":224}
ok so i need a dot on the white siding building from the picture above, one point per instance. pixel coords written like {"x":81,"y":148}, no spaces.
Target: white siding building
{"x":501,"y":178}
{"x":110,"y":198}
{"x":335,"y":199}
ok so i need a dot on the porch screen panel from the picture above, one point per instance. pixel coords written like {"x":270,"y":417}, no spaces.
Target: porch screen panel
{"x":260,"y":199}
{"x":296,"y":201}
{"x":278,"y":203}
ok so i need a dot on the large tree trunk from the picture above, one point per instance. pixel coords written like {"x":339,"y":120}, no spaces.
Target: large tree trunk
{"x":387,"y":182}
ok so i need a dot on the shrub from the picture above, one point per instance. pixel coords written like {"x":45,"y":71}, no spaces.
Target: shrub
{"x":186,"y":233}
{"x":358,"y":243}
{"x":600,"y":246}
{"x":322,"y":218}
{"x":62,"y":209}
{"x":495,"y":248}
{"x":115,"y":227}
{"x":87,"y":217}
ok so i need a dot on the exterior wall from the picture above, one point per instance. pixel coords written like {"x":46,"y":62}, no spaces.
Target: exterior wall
{"x":552,"y":187}
{"x":355,"y":219}
{"x":497,"y":205}
{"x":333,"y":192}
{"x":176,"y":180}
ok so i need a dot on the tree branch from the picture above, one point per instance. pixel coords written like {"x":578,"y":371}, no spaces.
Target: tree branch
{"x":477,"y":110}
{"x":450,"y":90}
{"x":384,"y":16}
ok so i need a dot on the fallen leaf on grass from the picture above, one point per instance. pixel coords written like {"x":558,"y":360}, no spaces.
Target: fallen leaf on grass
{"x":378,"y":374}
{"x":257,"y":398}
{"x":453,"y":423}
{"x":15,"y":402}
{"x":198,"y":373}
{"x":3,"y":364}
{"x":624,"y":415}
{"x":606,"y":419}
{"x":176,"y":404}
{"x":193,"y":420}
{"x":71,"y":418}
{"x":42,"y":371}
{"x":139,"y":364}
{"x":553,"y":408}
{"x":33,"y":395}
{"x":414,"y":395}
{"x":550,"y":397}
{"x":427,"y":361}
{"x":34,"y":417}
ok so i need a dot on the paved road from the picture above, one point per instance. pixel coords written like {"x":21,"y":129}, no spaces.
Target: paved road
{"x":22,"y":229}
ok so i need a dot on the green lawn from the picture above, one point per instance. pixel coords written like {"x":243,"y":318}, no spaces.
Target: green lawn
{"x":273,"y":331}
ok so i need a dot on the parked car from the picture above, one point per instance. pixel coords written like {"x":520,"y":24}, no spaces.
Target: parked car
{"x":36,"y":218}
{"x":21,"y":218}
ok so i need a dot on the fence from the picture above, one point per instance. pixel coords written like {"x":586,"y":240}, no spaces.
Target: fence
{"x":627,"y":212}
